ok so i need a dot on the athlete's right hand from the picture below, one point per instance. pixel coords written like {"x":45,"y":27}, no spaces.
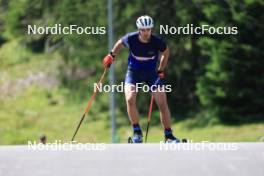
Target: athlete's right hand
{"x":108,"y":60}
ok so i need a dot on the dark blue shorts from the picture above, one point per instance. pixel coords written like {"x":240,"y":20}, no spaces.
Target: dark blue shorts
{"x":150,"y":77}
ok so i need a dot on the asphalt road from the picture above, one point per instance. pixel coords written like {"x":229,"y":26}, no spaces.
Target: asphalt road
{"x":134,"y":159}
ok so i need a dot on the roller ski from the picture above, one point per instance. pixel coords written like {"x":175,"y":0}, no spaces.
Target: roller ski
{"x":176,"y":140}
{"x":136,"y":138}
{"x":169,"y":138}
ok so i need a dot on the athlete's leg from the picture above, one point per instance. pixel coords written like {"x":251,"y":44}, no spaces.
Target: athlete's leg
{"x":160,"y":97}
{"x":165,"y":116}
{"x":161,"y":100}
{"x":131,"y":94}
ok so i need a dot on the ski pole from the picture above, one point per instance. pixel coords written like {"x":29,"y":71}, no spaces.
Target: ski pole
{"x":149,"y":116}
{"x":149,"y":113}
{"x":89,"y":104}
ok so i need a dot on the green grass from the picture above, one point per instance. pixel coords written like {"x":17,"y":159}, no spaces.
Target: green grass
{"x":215,"y":133}
{"x":56,"y":112}
{"x":32,"y":114}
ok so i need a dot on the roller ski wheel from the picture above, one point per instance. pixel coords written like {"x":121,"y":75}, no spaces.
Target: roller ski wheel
{"x":129,"y":140}
{"x":184,"y":140}
{"x":176,"y":140}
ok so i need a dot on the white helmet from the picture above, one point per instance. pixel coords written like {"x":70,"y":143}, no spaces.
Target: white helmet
{"x":144,"y":22}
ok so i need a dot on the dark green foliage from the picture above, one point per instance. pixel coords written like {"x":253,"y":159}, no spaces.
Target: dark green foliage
{"x":232,"y":85}
{"x":219,"y":75}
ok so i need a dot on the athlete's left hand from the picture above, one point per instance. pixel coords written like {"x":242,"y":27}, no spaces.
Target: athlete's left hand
{"x":161,"y":74}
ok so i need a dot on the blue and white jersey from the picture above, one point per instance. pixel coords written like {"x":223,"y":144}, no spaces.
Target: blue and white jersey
{"x":143,"y":56}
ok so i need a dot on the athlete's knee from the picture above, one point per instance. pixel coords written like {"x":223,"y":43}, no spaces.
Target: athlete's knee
{"x":161,"y":102}
{"x":131,"y":101}
{"x":162,"y":105}
{"x":130,"y":95}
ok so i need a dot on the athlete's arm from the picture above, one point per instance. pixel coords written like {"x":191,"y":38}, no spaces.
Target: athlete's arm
{"x":117,"y":47}
{"x":164,"y":56}
{"x":108,"y":60}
